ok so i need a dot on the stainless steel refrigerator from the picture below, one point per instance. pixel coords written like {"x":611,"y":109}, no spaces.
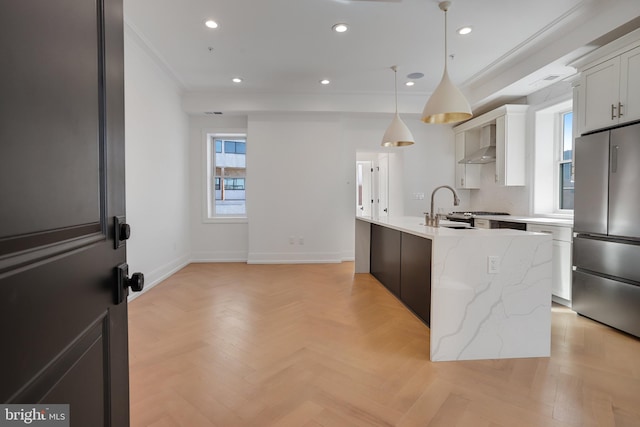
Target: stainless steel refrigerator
{"x":606,"y":248}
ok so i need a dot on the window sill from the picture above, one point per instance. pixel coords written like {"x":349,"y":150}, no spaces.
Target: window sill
{"x":228,"y":220}
{"x":554,"y":215}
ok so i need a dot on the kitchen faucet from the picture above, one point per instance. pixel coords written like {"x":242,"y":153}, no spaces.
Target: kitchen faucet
{"x":432,"y":219}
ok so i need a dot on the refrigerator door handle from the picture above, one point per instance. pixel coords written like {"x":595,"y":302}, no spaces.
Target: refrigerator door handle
{"x":614,"y":159}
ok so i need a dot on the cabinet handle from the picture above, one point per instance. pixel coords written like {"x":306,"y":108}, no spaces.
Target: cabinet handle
{"x":620,"y":109}
{"x":613,"y":111}
{"x":462,"y":182}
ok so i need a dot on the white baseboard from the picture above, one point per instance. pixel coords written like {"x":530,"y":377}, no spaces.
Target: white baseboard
{"x":219,"y":256}
{"x":156,"y":276}
{"x":348,"y":256}
{"x":561,"y":301}
{"x":294,"y":258}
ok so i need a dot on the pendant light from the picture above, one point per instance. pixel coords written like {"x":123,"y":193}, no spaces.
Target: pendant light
{"x":397,"y":134}
{"x":447,"y":104}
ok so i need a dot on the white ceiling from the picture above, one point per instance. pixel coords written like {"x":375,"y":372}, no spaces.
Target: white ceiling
{"x":287,"y":46}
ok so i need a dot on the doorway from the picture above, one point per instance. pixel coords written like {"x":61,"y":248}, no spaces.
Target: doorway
{"x":364,"y":188}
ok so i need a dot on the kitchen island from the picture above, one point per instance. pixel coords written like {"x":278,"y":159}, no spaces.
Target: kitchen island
{"x":489,"y":291}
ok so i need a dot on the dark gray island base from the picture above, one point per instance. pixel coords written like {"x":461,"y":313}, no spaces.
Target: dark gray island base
{"x":402,"y":263}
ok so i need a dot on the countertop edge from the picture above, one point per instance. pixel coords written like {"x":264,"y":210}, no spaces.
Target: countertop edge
{"x":412,"y":225}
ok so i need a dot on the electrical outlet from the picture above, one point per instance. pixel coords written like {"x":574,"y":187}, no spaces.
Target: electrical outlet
{"x":301,"y":240}
{"x":493,"y":264}
{"x":292,"y":240}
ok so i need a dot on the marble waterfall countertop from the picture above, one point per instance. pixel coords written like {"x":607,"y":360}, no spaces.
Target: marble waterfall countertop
{"x":476,"y":314}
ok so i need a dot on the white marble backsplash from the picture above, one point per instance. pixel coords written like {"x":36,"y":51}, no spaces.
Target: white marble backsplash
{"x":497,"y":198}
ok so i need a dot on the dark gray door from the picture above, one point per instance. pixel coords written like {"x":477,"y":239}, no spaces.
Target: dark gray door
{"x":64,"y":336}
{"x":624,"y":195}
{"x":591,"y":184}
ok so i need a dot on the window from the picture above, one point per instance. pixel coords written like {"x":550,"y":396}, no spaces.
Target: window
{"x":553,"y":157}
{"x":234,"y":184}
{"x":237,"y":147}
{"x":565,"y":162}
{"x":226,"y":176}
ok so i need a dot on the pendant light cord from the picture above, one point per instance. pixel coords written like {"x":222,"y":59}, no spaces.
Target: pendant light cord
{"x":445,"y":38}
{"x":395,"y":85}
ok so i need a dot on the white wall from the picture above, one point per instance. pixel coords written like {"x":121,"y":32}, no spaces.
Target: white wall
{"x":213,"y":241}
{"x":298,"y":186}
{"x":157,"y":162}
{"x":301,"y":183}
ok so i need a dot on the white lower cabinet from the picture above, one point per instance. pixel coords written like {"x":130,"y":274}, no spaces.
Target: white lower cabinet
{"x":561,"y":283}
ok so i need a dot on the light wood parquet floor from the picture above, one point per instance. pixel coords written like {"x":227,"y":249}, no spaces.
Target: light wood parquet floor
{"x":315,"y":345}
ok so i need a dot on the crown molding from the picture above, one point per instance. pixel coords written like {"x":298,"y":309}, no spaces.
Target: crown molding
{"x":134,"y":34}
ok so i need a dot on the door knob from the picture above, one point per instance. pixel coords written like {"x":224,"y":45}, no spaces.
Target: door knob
{"x":135,"y":282}
{"x":124,"y":282}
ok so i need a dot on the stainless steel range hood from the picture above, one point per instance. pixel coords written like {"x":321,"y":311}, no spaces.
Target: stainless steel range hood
{"x":487,"y":151}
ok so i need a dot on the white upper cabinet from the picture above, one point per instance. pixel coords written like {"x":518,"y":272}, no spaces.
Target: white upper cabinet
{"x":609,"y":91}
{"x":600,"y":86}
{"x":510,"y":132}
{"x":510,"y":148}
{"x":467,"y":176}
{"x":630,"y":86}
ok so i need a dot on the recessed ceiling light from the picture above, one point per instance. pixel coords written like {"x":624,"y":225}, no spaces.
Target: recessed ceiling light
{"x":464,"y":30}
{"x":409,"y":83}
{"x":340,"y":28}
{"x":236,"y":80}
{"x":324,"y":82}
{"x":211,"y":23}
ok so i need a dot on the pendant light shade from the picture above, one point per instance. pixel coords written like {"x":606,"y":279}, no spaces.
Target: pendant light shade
{"x":397,"y":134}
{"x":447,"y":104}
